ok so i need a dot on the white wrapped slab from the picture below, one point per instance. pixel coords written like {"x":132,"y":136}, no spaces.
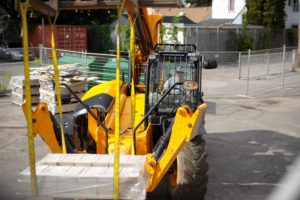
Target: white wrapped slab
{"x":76,"y":86}
{"x":21,"y":90}
{"x":86,"y":176}
{"x":20,"y":81}
{"x":19,"y":99}
{"x":65,"y":107}
{"x":50,"y":96}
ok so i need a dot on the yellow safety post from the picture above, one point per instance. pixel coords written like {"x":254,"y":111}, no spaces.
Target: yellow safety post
{"x":117,"y":108}
{"x":57,"y":84}
{"x":23,"y":10}
{"x":132,"y":61}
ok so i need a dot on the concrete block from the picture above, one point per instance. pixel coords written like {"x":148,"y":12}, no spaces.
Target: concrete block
{"x":76,"y":176}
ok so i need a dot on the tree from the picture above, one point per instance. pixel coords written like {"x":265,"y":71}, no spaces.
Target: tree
{"x":268,"y":13}
{"x":173,"y":32}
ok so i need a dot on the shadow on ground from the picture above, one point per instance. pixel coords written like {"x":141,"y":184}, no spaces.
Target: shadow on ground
{"x":243,"y":165}
{"x":248,"y":164}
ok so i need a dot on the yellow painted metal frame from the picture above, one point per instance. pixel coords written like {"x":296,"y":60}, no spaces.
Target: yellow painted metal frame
{"x":43,"y":126}
{"x":186,"y":123}
{"x":185,"y":126}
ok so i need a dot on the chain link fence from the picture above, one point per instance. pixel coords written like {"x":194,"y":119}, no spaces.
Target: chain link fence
{"x":102,"y":66}
{"x":233,"y":38}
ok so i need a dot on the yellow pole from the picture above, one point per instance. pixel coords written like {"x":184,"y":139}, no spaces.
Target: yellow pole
{"x":132,"y":61}
{"x":23,"y":10}
{"x":117,"y":109}
{"x":57,"y":84}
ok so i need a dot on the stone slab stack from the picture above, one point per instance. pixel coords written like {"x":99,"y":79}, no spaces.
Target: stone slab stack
{"x":17,"y":84}
{"x":69,"y":102}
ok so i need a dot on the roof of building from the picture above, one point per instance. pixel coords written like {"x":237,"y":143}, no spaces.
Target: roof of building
{"x":183,"y":19}
{"x":216,"y":22}
{"x":195,"y":14}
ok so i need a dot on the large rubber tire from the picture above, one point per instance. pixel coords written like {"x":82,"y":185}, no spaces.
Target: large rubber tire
{"x":192,"y":171}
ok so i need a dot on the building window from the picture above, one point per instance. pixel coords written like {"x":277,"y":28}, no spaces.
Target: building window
{"x":231,"y":5}
{"x":296,"y":6}
{"x":295,"y":26}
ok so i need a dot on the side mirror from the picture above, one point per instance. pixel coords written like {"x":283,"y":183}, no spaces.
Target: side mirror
{"x":190,"y":85}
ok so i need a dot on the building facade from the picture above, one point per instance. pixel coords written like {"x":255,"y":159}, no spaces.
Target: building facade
{"x":292,"y":13}
{"x":229,"y":9}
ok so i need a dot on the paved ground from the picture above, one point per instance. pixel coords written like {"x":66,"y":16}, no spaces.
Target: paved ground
{"x":251,"y":140}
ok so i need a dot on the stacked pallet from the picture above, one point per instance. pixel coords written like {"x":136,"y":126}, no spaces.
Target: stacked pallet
{"x":69,"y":102}
{"x":17,"y":84}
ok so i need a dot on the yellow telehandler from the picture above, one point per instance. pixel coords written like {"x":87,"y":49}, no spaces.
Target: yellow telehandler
{"x":167,"y":125}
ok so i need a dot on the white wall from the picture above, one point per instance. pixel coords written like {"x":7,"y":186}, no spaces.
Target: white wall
{"x":220,"y":9}
{"x":292,"y":18}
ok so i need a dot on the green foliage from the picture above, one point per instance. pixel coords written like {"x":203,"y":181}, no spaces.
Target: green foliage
{"x":269,"y":13}
{"x":264,"y":39}
{"x":99,"y":40}
{"x":244,"y":22}
{"x":125,"y":37}
{"x":162,"y":33}
{"x":73,"y":17}
{"x":174,"y":29}
{"x":291,"y":37}
{"x":4,"y":82}
{"x":245,"y":42}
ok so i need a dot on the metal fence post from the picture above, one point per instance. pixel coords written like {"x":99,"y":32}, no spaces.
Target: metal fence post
{"x":268,"y":63}
{"x":293,"y":59}
{"x":197,"y":38}
{"x":283,"y":66}
{"x":82,"y":59}
{"x":248,"y":74}
{"x":41,"y":53}
{"x":240,"y":66}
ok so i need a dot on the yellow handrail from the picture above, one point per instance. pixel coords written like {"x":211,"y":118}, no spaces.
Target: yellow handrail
{"x":31,"y":150}
{"x":132,"y":61}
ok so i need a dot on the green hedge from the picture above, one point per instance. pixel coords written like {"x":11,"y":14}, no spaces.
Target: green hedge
{"x":99,"y":39}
